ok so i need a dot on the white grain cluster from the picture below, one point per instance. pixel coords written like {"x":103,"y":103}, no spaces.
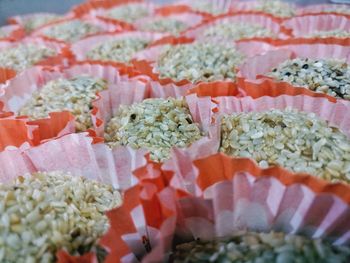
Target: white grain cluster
{"x":38,"y":20}
{"x":121,"y":50}
{"x":199,"y":62}
{"x":298,"y":141}
{"x":74,"y":95}
{"x":254,"y":247}
{"x":237,"y":30}
{"x":23,"y":56}
{"x":154,"y":124}
{"x":208,"y":6}
{"x":71,"y":31}
{"x":164,"y":25}
{"x":331,"y":33}
{"x":275,"y":7}
{"x":329,"y":76}
{"x":46,"y":212}
{"x":128,"y":13}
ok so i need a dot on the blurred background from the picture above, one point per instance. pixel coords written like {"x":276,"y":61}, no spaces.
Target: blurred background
{"x":17,"y":7}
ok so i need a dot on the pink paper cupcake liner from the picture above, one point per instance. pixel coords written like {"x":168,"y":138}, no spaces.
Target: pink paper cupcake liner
{"x":305,"y":25}
{"x":237,"y":195}
{"x":201,"y":110}
{"x":75,"y":153}
{"x":323,"y":8}
{"x":19,"y":90}
{"x":251,"y":74}
{"x":189,"y":19}
{"x":145,"y":62}
{"x":82,"y":47}
{"x":258,"y":19}
{"x":103,"y":25}
{"x":12,"y":32}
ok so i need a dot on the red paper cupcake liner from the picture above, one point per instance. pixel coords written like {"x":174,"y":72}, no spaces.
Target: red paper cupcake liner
{"x":251,"y":74}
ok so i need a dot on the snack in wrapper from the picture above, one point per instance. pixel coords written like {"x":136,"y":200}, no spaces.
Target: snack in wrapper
{"x":259,"y":247}
{"x":71,"y":31}
{"x":198,"y":61}
{"x":128,"y":12}
{"x":120,"y":50}
{"x":154,"y":124}
{"x":74,"y":95}
{"x":23,"y":56}
{"x":45,"y":212}
{"x":329,"y":76}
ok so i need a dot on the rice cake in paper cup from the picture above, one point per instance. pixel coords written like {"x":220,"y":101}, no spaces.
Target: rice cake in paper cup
{"x":320,"y":28}
{"x":173,"y":24}
{"x":71,"y":112}
{"x":277,"y":8}
{"x":213,"y":8}
{"x":294,"y":132}
{"x":325,"y":9}
{"x":178,"y":81}
{"x":12,"y":32}
{"x":18,"y":56}
{"x":298,"y":69}
{"x":238,"y":27}
{"x":70,"y":30}
{"x":159,"y":217}
{"x":71,"y":165}
{"x":31,"y":22}
{"x":113,"y":47}
{"x":156,"y":124}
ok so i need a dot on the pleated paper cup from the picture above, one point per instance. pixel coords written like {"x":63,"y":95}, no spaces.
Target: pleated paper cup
{"x":325,"y":9}
{"x":264,"y":20}
{"x":11,"y":32}
{"x":252,"y":74}
{"x":20,"y":89}
{"x":237,"y":195}
{"x":145,"y":62}
{"x":62,"y":56}
{"x":302,"y":28}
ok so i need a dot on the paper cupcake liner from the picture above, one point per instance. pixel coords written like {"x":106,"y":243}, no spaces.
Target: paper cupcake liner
{"x":105,"y":27}
{"x":263,"y":20}
{"x":19,"y":90}
{"x":144,"y":61}
{"x":78,"y":154}
{"x":237,"y":195}
{"x":82,"y":47}
{"x":323,"y":9}
{"x":99,"y":10}
{"x":302,"y":26}
{"x":63,"y":56}
{"x":12,"y":32}
{"x":251,"y":74}
{"x":249,"y":7}
{"x":201,"y":110}
{"x":334,"y":113}
{"x":188,"y":18}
